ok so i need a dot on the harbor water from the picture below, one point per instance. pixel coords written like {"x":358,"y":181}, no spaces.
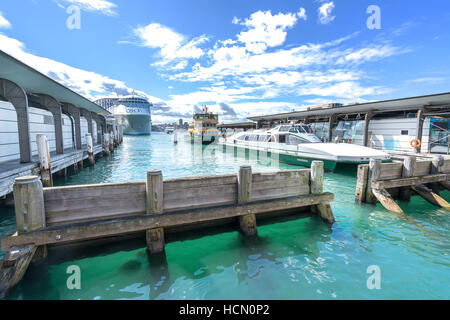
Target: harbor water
{"x":299,"y":258}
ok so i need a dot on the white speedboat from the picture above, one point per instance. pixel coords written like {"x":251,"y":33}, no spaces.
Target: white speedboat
{"x":297,"y":144}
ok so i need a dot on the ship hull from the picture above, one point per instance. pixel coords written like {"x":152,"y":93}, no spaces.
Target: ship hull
{"x":134,"y":124}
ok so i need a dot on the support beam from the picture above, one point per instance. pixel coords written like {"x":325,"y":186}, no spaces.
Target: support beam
{"x":431,"y":196}
{"x":74,"y":112}
{"x":247,"y":222}
{"x":387,"y":201}
{"x":99,"y":122}
{"x":44,"y":160}
{"x":48,"y":103}
{"x":367,"y":119}
{"x":331,"y":121}
{"x":18,"y":98}
{"x":14,"y":265}
{"x":419,"y":128}
{"x":90,"y":149}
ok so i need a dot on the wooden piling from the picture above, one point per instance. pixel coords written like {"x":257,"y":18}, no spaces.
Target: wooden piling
{"x":175,"y":137}
{"x":90,"y":149}
{"x":106,"y":144}
{"x":323,"y":208}
{"x":154,"y":205}
{"x":247,"y":222}
{"x":111,"y":142}
{"x":374,"y":175}
{"x":387,"y":201}
{"x":44,"y":160}
{"x":361,"y":183}
{"x":408,"y":170}
{"x":436,"y":165}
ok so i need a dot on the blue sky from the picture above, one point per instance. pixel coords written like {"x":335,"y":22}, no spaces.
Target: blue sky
{"x":242,"y":57}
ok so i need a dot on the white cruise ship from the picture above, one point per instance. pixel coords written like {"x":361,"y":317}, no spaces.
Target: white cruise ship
{"x":132,"y":112}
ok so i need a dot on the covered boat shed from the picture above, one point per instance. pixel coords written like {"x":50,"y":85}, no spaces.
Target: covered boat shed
{"x":413,"y":110}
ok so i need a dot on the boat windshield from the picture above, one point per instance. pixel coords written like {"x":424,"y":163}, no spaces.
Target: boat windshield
{"x":303,"y":128}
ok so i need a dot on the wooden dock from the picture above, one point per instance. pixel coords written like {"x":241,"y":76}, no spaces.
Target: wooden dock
{"x":72,"y":214}
{"x":386,"y":182}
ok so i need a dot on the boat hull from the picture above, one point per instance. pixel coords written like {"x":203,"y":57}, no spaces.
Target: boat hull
{"x":134,"y":124}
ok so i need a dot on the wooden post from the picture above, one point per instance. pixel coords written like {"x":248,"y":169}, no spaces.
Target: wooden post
{"x":154,"y":205}
{"x":175,"y":136}
{"x":247,"y":222}
{"x":106,"y":144}
{"x":361,"y":183}
{"x":419,"y":128}
{"x":436,"y":166}
{"x":29,"y":206}
{"x":44,"y":160}
{"x":90,"y":149}
{"x":374,"y":175}
{"x":387,"y":201}
{"x":409,"y":164}
{"x":316,"y":178}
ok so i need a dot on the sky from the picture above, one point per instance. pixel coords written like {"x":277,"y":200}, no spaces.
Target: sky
{"x":241,"y":58}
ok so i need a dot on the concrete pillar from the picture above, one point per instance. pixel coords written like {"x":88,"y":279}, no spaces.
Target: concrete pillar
{"x":87,"y":114}
{"x":48,"y":103}
{"x":18,"y":98}
{"x":74,"y":112}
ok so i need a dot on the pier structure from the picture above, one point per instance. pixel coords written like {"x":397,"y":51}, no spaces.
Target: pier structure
{"x":33,"y":105}
{"x":74,"y":214}
{"x":416,"y":124}
{"x":415,"y":175}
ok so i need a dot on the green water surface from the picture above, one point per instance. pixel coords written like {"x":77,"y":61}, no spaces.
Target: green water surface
{"x":298,"y":258}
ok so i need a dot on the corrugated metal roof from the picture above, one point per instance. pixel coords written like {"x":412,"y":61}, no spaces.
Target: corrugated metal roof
{"x":33,"y":81}
{"x":413,"y":103}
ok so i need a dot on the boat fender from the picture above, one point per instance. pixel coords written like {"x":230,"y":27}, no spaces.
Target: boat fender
{"x":415,"y":143}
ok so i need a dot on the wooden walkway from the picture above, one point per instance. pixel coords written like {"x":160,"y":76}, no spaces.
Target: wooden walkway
{"x":13,"y":169}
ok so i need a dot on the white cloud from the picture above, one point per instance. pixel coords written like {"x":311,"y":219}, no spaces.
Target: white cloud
{"x":266,"y":30}
{"x":105,"y":7}
{"x":4,"y":24}
{"x":428,"y":80}
{"x":172,"y":45}
{"x":325,"y":12}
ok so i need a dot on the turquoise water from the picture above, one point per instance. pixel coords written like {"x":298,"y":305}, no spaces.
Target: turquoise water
{"x":298,"y":258}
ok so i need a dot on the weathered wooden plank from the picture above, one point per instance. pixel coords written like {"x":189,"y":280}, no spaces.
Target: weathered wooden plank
{"x":14,"y":265}
{"x":395,"y":183}
{"x":193,"y":203}
{"x":200,"y":192}
{"x":391,"y":170}
{"x":422,"y":168}
{"x":293,"y":175}
{"x":279,"y":192}
{"x":93,"y":190}
{"x":446,"y":166}
{"x":196,"y":182}
{"x":375,"y":168}
{"x":98,"y":229}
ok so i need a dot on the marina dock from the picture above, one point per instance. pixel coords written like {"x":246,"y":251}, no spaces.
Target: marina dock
{"x":72,"y":214}
{"x":386,"y":182}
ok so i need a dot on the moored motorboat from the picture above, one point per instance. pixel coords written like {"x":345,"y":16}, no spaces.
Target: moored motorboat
{"x":298,"y":145}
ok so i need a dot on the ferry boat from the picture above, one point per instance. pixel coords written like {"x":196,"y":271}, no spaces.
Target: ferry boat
{"x":297,"y":144}
{"x":132,"y":112}
{"x":204,"y":127}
